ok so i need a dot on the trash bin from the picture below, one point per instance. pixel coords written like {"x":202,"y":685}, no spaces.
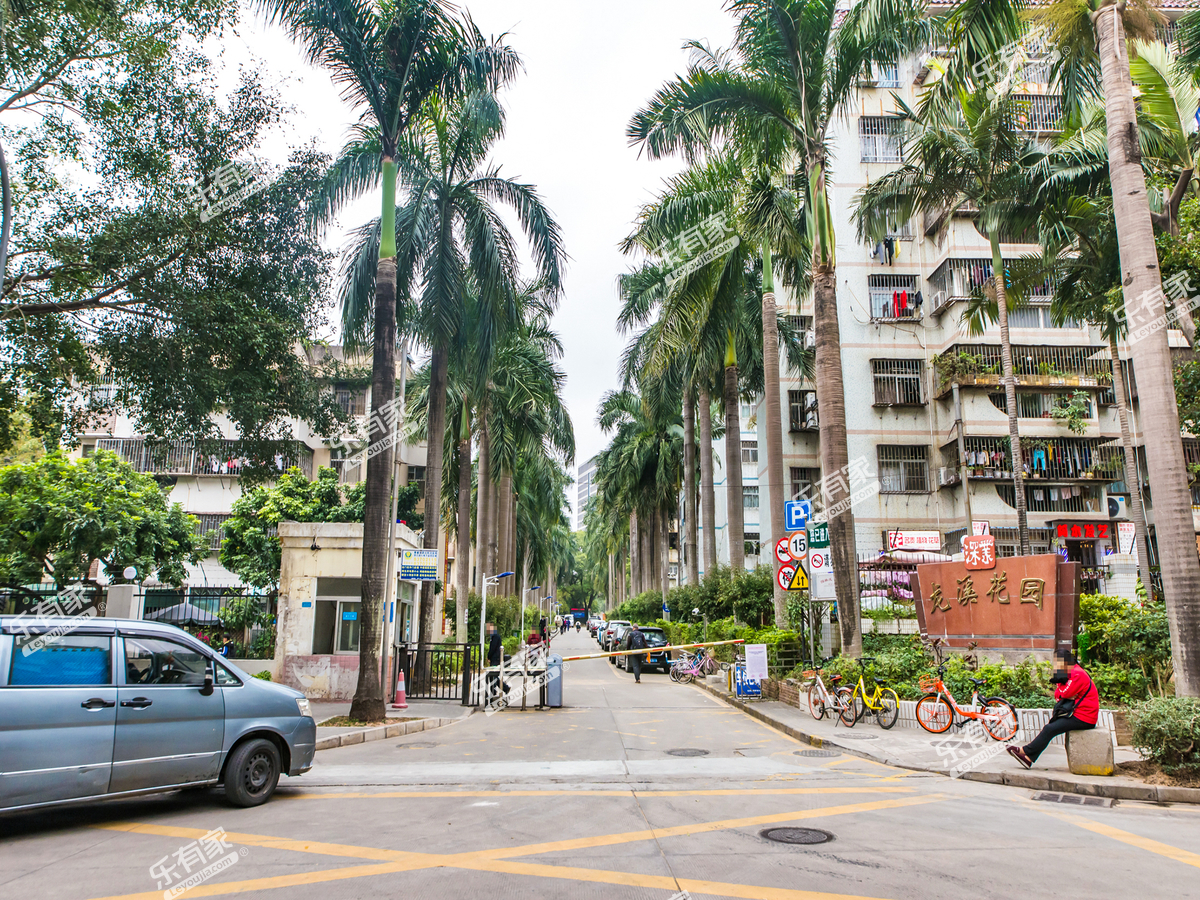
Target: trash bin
{"x":554,"y":681}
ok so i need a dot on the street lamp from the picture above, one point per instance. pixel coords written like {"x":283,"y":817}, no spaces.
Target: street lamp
{"x":536,"y":587}
{"x":492,"y":580}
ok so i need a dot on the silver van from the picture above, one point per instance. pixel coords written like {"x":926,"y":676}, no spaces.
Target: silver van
{"x":98,"y":708}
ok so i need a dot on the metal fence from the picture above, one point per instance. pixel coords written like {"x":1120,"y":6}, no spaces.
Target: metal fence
{"x":220,"y":457}
{"x":439,"y":671}
{"x":82,"y":598}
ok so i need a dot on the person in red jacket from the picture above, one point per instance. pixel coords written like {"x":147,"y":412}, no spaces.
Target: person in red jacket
{"x":1074,"y":684}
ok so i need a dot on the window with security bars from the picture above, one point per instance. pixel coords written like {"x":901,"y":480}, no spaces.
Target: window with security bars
{"x":897,"y":382}
{"x":803,"y":482}
{"x":416,"y":475}
{"x":752,"y":546}
{"x":903,"y":469}
{"x":879,"y":139}
{"x":750,"y":451}
{"x":352,"y":400}
{"x":894,"y":297}
{"x":802,"y":411}
{"x":750,"y":496}
{"x":211,"y":528}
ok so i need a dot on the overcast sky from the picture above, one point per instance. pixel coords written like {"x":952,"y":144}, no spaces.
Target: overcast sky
{"x":589,"y":67}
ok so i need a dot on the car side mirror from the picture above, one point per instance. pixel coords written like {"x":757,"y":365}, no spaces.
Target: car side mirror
{"x":207,"y":690}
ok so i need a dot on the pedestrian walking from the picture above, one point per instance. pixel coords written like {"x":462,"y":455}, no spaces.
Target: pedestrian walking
{"x":1076,"y":708}
{"x":637,"y":641}
{"x":495,"y":654}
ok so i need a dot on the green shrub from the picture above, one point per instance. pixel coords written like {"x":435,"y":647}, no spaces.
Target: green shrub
{"x":1131,"y":635}
{"x":1119,"y":685}
{"x":264,"y":675}
{"x":1167,"y":731}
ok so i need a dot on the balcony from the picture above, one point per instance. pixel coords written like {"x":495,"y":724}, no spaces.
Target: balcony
{"x":221,"y":457}
{"x":1055,"y":368}
{"x":1056,"y":461}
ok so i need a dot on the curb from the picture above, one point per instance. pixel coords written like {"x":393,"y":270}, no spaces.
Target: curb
{"x":1153,"y":793}
{"x":347,"y":738}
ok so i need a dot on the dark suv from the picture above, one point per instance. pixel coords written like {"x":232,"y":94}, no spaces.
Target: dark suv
{"x":655,"y":638}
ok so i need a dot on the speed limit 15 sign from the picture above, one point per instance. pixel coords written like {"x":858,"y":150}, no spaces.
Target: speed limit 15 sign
{"x":798,"y":545}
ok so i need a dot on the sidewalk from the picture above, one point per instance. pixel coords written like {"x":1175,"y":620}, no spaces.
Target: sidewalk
{"x":908,"y":748}
{"x":421,"y":715}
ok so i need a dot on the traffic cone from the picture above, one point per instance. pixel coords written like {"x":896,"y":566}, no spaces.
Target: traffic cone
{"x":399,"y":701}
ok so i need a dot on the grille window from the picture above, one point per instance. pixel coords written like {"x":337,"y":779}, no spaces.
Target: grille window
{"x":750,"y":451}
{"x":879,"y":139}
{"x":803,"y":482}
{"x":752,"y":546}
{"x":897,"y":381}
{"x":903,"y":469}
{"x":212,"y":528}
{"x":750,"y":496}
{"x":802,"y":411}
{"x":894,"y":296}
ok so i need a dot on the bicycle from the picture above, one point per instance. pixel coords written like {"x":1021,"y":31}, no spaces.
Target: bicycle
{"x":819,"y":699}
{"x":937,"y":710}
{"x":882,"y":701}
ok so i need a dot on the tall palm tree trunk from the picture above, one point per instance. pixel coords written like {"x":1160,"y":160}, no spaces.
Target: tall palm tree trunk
{"x":1010,"y":396}
{"x":462,"y":562}
{"x":665,"y":552}
{"x":482,"y":511}
{"x":775,"y":493}
{"x":734,"y":502}
{"x":835,"y":456}
{"x":690,"y":548}
{"x":634,"y":554}
{"x":1142,"y":283}
{"x":1132,"y":480}
{"x":708,"y":500}
{"x":431,"y":613}
{"x":368,"y":704}
{"x":494,"y":526}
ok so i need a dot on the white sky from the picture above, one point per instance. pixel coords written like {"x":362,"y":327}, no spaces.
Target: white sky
{"x":589,"y":67}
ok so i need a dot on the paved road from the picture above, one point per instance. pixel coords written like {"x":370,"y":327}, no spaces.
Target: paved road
{"x":589,"y":802}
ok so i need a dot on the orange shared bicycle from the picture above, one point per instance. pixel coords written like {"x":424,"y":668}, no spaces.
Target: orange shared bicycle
{"x":937,"y":710}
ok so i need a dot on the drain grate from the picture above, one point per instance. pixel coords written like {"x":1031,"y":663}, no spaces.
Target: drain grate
{"x":688,"y":751}
{"x":816,"y":753}
{"x":797,"y":835}
{"x":859,"y":737}
{"x":1072,"y":799}
{"x":416,"y":745}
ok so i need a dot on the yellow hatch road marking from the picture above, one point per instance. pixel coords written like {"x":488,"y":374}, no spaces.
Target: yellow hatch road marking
{"x":496,"y":860}
{"x":1136,"y":840}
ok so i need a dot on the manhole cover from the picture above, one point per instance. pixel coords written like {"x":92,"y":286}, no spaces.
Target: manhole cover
{"x":859,"y":737}
{"x":416,"y":745}
{"x":1073,"y":799}
{"x":816,"y":753}
{"x":688,"y":751}
{"x":796,"y":835}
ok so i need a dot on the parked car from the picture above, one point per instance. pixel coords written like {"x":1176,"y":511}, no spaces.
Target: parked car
{"x":655,"y":637}
{"x":119,"y":707}
{"x":614,"y":640}
{"x":593,"y":623}
{"x":608,"y":632}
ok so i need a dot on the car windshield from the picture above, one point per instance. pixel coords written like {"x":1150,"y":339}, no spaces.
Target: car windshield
{"x":655,"y":638}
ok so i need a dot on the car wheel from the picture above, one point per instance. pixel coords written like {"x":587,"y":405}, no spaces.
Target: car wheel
{"x":252,"y":773}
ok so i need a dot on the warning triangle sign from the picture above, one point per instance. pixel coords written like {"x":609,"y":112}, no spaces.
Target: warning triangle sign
{"x":799,"y":580}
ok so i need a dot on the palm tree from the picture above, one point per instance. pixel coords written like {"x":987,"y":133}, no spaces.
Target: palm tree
{"x":969,"y":151}
{"x":794,"y":69}
{"x":1091,"y":36}
{"x":388,"y":60}
{"x":455,"y":244}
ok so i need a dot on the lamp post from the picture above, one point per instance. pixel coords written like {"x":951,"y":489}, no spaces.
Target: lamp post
{"x":536,"y":587}
{"x":492,"y":580}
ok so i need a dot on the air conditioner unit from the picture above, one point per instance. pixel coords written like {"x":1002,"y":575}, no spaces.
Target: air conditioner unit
{"x":810,"y":339}
{"x":936,"y":302}
{"x":1118,"y":506}
{"x":947,"y":475}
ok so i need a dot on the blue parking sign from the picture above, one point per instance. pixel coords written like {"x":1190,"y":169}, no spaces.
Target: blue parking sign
{"x":796,"y":514}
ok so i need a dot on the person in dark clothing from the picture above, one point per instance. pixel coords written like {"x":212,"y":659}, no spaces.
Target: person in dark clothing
{"x":637,"y":641}
{"x":495,"y":653}
{"x":1076,"y":708}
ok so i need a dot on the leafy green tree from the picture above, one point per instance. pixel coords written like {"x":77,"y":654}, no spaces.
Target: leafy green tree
{"x":58,"y":518}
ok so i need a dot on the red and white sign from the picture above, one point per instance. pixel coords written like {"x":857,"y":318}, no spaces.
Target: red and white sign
{"x":914,"y":540}
{"x":981,"y":528}
{"x":818,"y":559}
{"x":979,"y":551}
{"x":798,"y":545}
{"x":781,"y":551}
{"x":784,"y":576}
{"x":1125,"y":535}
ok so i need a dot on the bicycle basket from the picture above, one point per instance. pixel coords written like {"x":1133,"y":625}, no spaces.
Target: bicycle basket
{"x":928,"y":684}
{"x":809,"y":673}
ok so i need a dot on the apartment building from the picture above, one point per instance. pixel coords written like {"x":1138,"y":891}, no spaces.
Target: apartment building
{"x":585,"y":489}
{"x":207,"y":483}
{"x":900,"y":304}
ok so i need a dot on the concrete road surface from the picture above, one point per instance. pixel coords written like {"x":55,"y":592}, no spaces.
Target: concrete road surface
{"x":650,"y":790}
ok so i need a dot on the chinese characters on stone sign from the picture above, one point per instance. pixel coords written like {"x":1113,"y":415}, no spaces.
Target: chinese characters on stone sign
{"x":1032,"y":591}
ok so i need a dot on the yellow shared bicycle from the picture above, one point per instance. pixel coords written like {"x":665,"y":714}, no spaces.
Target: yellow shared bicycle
{"x":882,"y":702}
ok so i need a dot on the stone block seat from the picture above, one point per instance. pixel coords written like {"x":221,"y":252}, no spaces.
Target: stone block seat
{"x":1090,"y":752}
